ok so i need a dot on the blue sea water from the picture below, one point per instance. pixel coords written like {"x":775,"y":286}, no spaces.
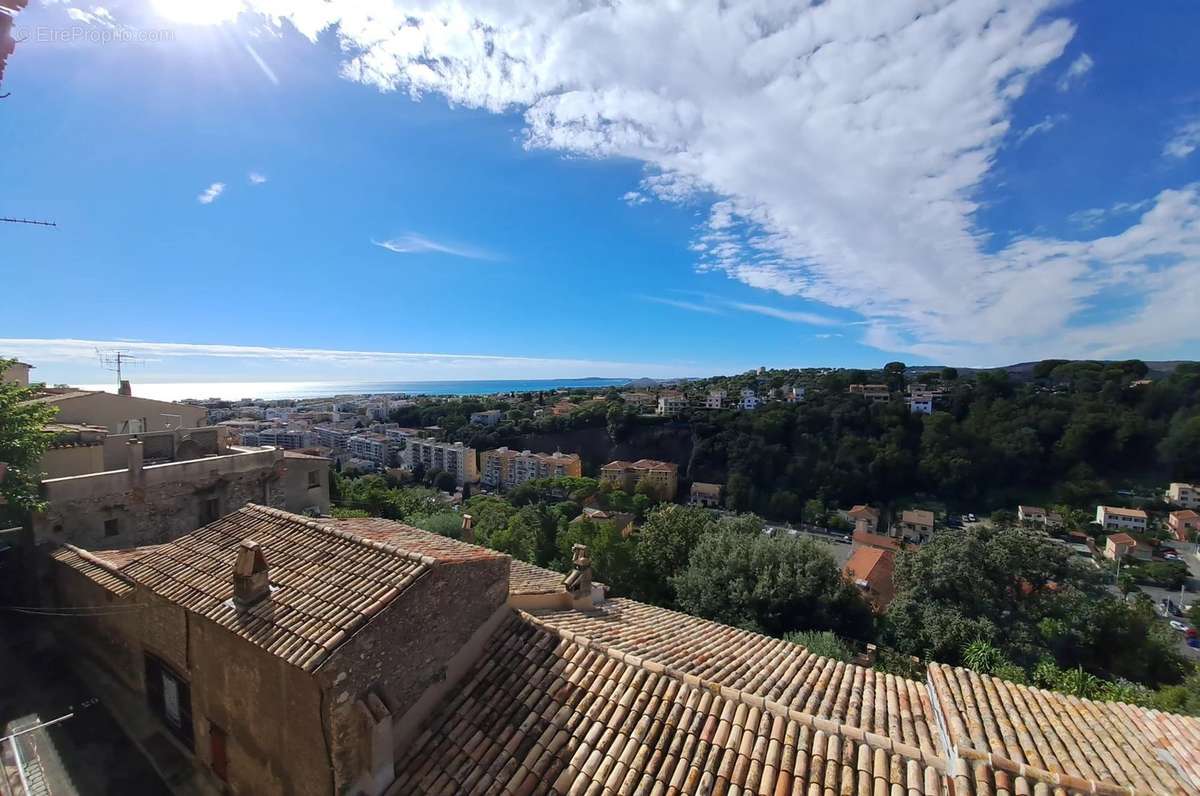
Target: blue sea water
{"x":275,"y":390}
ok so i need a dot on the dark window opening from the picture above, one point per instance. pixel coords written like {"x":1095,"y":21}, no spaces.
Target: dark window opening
{"x":112,"y":527}
{"x":170,"y":698}
{"x":314,"y":479}
{"x":210,"y":510}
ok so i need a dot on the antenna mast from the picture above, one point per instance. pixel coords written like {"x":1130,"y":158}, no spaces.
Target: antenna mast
{"x":116,"y":361}
{"x":36,"y":223}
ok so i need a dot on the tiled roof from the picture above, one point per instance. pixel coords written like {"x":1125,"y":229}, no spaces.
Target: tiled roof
{"x":760,"y":665}
{"x":917,"y":517}
{"x":548,"y":712}
{"x":1122,"y":538}
{"x":93,"y":567}
{"x":862,"y":510}
{"x":325,"y":583}
{"x":526,"y":578}
{"x":1136,"y":514}
{"x":414,"y":540}
{"x":877,"y":540}
{"x":874,"y":567}
{"x":57,"y":397}
{"x":1102,"y":742}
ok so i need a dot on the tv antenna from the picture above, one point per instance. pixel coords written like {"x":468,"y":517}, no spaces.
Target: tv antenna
{"x":116,"y":361}
{"x":34,"y":222}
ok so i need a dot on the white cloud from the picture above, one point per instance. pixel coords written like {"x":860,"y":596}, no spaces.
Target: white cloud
{"x":1094,"y":216}
{"x":1184,"y":141}
{"x":679,"y":304}
{"x":256,"y":178}
{"x":633,"y":198}
{"x":1075,"y":72}
{"x":98,"y":16}
{"x":412,"y":243}
{"x":839,"y":149}
{"x":166,"y":360}
{"x":210,"y":194}
{"x":1044,"y":126}
{"x":792,"y":316}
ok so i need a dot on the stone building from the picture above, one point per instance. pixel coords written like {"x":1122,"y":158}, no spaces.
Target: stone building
{"x":142,"y":503}
{"x":121,"y":413}
{"x":287,"y":655}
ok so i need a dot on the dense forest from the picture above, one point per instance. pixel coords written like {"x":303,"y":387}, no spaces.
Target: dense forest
{"x":1069,"y":433}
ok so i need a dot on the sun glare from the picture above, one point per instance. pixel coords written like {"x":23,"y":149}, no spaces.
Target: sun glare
{"x":199,"y":12}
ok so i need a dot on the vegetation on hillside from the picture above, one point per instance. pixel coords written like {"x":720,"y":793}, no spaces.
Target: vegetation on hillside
{"x":22,"y":443}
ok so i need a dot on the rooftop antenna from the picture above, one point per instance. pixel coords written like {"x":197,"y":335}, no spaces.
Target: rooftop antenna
{"x":116,"y":361}
{"x":36,"y":223}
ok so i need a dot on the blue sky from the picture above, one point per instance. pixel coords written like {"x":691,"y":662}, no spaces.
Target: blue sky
{"x":377,"y":190}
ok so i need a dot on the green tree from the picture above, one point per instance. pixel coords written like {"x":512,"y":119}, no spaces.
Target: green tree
{"x":23,"y":440}
{"x":773,"y":585}
{"x":823,"y":643}
{"x":665,"y":540}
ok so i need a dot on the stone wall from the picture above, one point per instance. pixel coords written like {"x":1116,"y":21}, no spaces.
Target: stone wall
{"x":167,"y":501}
{"x":405,"y":650}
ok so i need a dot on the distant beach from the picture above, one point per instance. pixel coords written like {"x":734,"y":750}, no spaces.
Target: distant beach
{"x":278,"y":390}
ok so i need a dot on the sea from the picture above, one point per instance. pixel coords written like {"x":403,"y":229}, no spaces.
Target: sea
{"x":278,"y":390}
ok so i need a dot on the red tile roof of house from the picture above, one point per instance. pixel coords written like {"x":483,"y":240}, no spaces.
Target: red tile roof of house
{"x":873,"y":567}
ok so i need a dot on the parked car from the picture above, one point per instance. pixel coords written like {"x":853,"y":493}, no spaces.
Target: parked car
{"x":972,"y":518}
{"x":1180,"y":626}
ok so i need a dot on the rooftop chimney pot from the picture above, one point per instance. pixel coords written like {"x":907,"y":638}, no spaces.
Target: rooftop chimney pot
{"x":134,"y":457}
{"x":251,"y":583}
{"x":125,"y":389}
{"x":468,"y":528}
{"x":579,"y":581}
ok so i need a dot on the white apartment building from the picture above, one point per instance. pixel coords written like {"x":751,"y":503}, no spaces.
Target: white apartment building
{"x":794,"y":394}
{"x":374,"y":448}
{"x":750,"y":400}
{"x":333,"y":437}
{"x":672,"y":403}
{"x":489,"y":418}
{"x":1186,"y":495}
{"x":1119,"y":519}
{"x":714,"y":400}
{"x":289,"y":439}
{"x":921,"y":403}
{"x":454,"y":458}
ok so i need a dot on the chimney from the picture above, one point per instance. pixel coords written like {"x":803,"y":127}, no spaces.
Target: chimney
{"x":579,"y":581}
{"x":125,"y":389}
{"x":468,"y":529}
{"x":250,"y":576}
{"x":133,"y":451}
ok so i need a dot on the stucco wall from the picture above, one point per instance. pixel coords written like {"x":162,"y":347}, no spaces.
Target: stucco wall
{"x":111,"y":410}
{"x":72,"y":460}
{"x":405,"y":649}
{"x":166,"y":502}
{"x":299,"y":495}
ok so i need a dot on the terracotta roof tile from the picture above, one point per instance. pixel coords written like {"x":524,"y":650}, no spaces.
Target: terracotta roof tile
{"x":768,"y":667}
{"x":94,"y":568}
{"x":544,"y":712}
{"x":1104,"y":742}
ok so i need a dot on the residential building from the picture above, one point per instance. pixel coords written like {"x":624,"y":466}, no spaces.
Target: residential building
{"x":865,"y":518}
{"x":621,"y":521}
{"x":504,"y":468}
{"x":453,"y":669}
{"x":16,"y":373}
{"x":563,"y":408}
{"x":868,"y":539}
{"x":336,"y":437}
{"x":662,"y":477}
{"x":75,"y":448}
{"x":451,"y":457}
{"x":121,"y":414}
{"x":714,"y":400}
{"x":1033,"y":514}
{"x":920,"y":403}
{"x":1186,"y":495}
{"x":1122,"y":545}
{"x":378,"y":449}
{"x":794,"y":394}
{"x":491,"y":417}
{"x":1112,"y":518}
{"x":289,"y":439}
{"x":870,"y":569}
{"x":671,"y":404}
{"x":639,"y":400}
{"x":876,"y":393}
{"x":1184,"y":524}
{"x":749,"y":400}
{"x":916,"y":525}
{"x":306,"y":483}
{"x":706,"y":495}
{"x":153,"y":503}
